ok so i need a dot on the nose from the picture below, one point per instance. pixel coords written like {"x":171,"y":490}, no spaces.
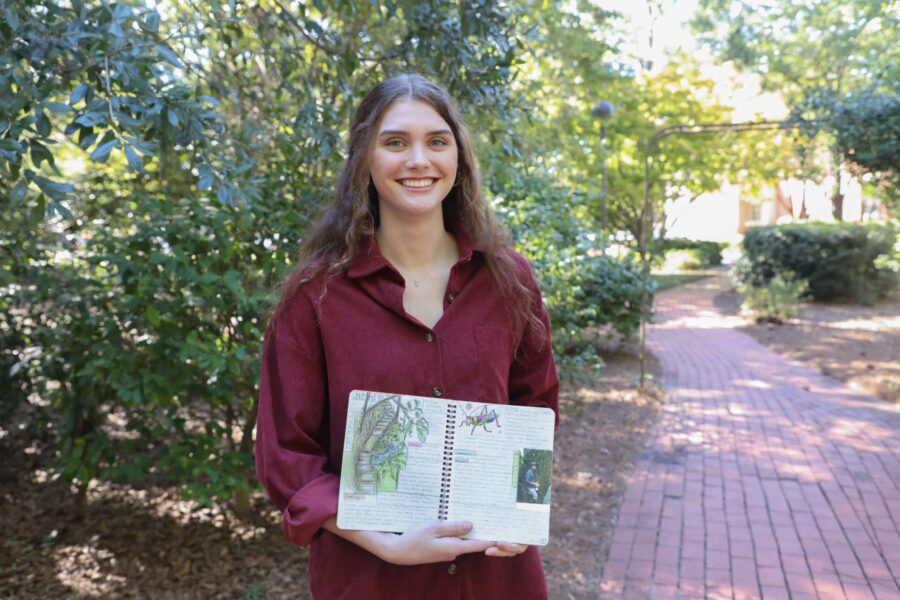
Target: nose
{"x":418,"y":156}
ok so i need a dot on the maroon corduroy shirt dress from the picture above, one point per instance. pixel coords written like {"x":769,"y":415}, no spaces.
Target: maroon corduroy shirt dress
{"x":358,"y":336}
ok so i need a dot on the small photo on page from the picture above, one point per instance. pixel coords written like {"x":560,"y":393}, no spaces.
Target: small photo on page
{"x":533,"y":471}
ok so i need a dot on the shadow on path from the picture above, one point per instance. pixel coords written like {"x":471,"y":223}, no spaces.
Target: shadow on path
{"x":763,"y":479}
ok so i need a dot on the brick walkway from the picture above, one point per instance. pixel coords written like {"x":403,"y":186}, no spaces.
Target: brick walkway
{"x":763,"y":479}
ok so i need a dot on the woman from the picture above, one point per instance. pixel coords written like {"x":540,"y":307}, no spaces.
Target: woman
{"x":405,"y":285}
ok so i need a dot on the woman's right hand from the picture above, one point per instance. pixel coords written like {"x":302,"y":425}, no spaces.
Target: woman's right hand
{"x":437,"y":541}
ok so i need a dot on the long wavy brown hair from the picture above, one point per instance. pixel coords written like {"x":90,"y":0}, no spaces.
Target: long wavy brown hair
{"x":337,"y":235}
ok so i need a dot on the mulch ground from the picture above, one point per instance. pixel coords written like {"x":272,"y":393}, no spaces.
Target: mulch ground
{"x":147,"y":542}
{"x":856,"y":344}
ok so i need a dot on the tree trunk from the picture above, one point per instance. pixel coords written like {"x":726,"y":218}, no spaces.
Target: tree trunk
{"x":837,"y":198}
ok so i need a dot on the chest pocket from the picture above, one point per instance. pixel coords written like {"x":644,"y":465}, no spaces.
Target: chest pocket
{"x":495,"y":355}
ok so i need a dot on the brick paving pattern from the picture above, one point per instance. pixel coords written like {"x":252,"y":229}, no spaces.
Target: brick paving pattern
{"x":763,"y":478}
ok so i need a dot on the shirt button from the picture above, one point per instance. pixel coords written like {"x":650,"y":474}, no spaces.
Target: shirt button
{"x":437,"y":392}
{"x":452,"y":569}
{"x":451,"y":297}
{"x":429,"y":337}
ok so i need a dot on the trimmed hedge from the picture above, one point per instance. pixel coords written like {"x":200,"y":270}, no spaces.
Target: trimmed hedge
{"x":705,"y":253}
{"x":840,"y":261}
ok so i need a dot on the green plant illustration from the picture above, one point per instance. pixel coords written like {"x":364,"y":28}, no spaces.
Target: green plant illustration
{"x":379,"y":450}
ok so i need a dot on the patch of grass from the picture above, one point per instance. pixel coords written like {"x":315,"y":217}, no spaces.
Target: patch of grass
{"x":665,"y":281}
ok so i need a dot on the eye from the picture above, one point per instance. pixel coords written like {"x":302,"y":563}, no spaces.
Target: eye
{"x":394,"y":143}
{"x":439,"y":142}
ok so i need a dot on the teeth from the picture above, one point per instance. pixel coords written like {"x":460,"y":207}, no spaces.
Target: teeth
{"x":417,"y":183}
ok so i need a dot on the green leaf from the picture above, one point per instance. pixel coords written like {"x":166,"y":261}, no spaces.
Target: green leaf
{"x":78,"y":93}
{"x":57,"y":107}
{"x":54,"y":189}
{"x":134,"y":161}
{"x":233,"y":283}
{"x":101,"y":153}
{"x":18,"y":192}
{"x":38,"y":213}
{"x":151,"y":22}
{"x":152,"y":315}
{"x":206,"y":178}
{"x":92,"y":119}
{"x":223,"y":194}
{"x":421,"y":432}
{"x":168,"y":55}
{"x":58,"y":208}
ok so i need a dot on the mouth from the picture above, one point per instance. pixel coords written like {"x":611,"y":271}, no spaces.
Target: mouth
{"x":418,"y":183}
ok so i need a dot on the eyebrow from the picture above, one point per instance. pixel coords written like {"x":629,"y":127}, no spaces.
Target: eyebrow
{"x":401,"y":132}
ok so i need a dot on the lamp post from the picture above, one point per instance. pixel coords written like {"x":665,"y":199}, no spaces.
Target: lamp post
{"x":603,"y":110}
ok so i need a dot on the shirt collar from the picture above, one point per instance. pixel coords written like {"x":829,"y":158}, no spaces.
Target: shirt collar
{"x":369,"y":260}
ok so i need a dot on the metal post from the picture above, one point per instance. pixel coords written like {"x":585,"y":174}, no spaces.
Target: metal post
{"x":646,"y":232}
{"x":603,"y":171}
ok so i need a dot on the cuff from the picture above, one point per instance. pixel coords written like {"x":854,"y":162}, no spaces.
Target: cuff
{"x":309,"y":508}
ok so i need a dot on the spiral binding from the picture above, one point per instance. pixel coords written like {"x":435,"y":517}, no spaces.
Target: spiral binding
{"x":447,"y":468}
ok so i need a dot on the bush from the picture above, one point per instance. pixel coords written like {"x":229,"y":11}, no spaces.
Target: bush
{"x":700,"y":254}
{"x":775,"y":301}
{"x":610,"y":294}
{"x":839,"y":261}
{"x":582,"y":290}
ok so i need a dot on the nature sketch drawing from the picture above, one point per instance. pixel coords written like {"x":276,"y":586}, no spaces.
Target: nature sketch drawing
{"x":379,"y":451}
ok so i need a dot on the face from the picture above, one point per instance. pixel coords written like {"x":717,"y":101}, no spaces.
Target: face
{"x":413,"y":161}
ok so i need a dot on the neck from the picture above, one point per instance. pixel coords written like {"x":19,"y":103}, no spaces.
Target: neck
{"x":416,"y":245}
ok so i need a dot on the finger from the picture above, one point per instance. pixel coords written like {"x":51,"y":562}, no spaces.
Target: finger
{"x":457,"y":546}
{"x":497,"y":552}
{"x":452,"y":528}
{"x":510,"y":547}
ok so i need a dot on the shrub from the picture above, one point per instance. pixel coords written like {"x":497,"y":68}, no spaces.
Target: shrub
{"x":839,"y":261}
{"x":699,"y":253}
{"x":775,"y":301}
{"x":610,"y":294}
{"x":581,"y":290}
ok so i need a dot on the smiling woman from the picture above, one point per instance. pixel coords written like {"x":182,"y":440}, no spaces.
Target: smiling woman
{"x":405,"y":285}
{"x":413,"y":163}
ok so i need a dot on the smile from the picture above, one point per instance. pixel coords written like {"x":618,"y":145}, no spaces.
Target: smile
{"x":417,"y":183}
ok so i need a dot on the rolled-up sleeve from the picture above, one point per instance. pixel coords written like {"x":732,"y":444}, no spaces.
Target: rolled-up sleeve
{"x":533,"y":380}
{"x":290,"y":460}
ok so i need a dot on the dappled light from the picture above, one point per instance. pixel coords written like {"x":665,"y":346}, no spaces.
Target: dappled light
{"x":764,"y":471}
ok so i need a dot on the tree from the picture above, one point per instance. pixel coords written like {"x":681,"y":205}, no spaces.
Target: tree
{"x":159,"y":169}
{"x":808,"y":49}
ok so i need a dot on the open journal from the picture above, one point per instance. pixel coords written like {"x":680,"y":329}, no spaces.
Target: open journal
{"x":411,"y":459}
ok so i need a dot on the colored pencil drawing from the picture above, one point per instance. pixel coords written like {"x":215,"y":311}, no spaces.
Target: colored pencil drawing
{"x":379,"y":449}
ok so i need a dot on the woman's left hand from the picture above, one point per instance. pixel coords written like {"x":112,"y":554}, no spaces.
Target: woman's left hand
{"x":506,"y":549}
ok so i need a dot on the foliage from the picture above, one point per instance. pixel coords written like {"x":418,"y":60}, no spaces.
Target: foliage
{"x":847,"y":261}
{"x":159,"y":169}
{"x":844,"y":51}
{"x":840,"y":45}
{"x":582,"y":290}
{"x":775,"y":301}
{"x":865,"y":126}
{"x":160,"y":166}
{"x":610,"y":294}
{"x":704,"y":253}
